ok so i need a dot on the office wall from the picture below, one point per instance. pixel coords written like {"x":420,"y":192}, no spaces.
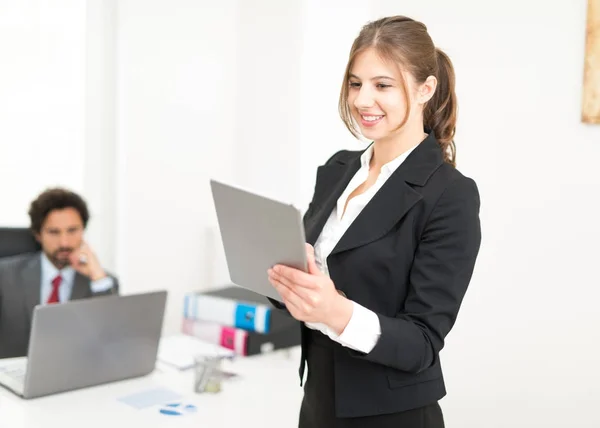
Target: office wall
{"x":176,"y":125}
{"x":42,"y":95}
{"x":267,"y":144}
{"x":55,"y":109}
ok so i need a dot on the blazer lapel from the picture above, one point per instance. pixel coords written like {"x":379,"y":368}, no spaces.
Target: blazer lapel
{"x":395,"y":198}
{"x":31,"y":281}
{"x":81,"y":287}
{"x":386,"y":209}
{"x":332,"y":180}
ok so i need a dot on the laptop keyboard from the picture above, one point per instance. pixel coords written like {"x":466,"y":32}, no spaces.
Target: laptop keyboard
{"x":14,"y":371}
{"x":12,"y":375}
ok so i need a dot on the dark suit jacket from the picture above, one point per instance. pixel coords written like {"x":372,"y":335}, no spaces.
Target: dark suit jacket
{"x":408,"y":257}
{"x":20,"y":281}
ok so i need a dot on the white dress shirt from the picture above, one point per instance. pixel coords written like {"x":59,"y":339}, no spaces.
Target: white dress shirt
{"x":363,"y":329}
{"x":49,"y":272}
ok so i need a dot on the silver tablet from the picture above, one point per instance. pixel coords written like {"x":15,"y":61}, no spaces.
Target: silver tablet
{"x":257,"y":233}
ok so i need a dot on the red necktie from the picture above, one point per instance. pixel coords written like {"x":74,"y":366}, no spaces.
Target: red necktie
{"x":55,"y":286}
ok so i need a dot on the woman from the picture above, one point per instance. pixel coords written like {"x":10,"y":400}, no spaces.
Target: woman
{"x":396,"y":233}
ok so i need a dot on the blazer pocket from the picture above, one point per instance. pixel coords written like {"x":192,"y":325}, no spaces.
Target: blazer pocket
{"x":398,"y":379}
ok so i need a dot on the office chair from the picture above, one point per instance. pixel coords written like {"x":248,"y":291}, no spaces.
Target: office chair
{"x":17,"y":240}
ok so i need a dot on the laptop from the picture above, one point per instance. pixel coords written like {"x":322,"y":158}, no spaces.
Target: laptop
{"x":87,"y":342}
{"x":258,"y":232}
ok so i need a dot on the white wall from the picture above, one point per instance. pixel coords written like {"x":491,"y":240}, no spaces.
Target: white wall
{"x":42,"y":99}
{"x":56,"y":112}
{"x":176,"y":86}
{"x":267,"y":123}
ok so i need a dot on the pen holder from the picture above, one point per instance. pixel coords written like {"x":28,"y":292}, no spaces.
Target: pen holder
{"x":207,"y":374}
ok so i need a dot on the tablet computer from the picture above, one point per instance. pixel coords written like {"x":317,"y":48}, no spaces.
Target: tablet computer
{"x":257,"y":232}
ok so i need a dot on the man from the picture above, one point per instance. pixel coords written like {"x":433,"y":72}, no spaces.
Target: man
{"x":65,"y":269}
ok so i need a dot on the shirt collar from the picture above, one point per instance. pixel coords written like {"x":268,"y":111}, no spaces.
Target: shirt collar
{"x":50,"y":271}
{"x":389,"y":168}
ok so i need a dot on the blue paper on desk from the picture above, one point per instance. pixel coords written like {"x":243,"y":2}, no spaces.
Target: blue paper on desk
{"x":150,"y":397}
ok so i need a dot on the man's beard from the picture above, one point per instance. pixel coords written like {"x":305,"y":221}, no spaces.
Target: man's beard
{"x":57,"y":260}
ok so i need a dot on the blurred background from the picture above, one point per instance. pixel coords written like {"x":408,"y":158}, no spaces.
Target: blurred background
{"x":135,"y":104}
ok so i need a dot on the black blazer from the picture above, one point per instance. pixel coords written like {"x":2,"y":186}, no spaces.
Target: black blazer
{"x":408,"y":257}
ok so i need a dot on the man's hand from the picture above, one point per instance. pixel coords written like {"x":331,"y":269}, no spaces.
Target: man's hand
{"x":84,"y":261}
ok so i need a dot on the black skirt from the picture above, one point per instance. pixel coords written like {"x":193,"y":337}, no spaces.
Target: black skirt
{"x":318,"y":404}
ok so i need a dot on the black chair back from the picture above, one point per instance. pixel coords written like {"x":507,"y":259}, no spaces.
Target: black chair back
{"x":17,"y":240}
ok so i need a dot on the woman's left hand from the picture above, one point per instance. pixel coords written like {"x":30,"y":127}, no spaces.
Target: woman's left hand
{"x":311,"y":297}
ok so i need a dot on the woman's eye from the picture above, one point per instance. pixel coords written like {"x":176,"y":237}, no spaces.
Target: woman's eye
{"x":383,"y":85}
{"x":354,"y":85}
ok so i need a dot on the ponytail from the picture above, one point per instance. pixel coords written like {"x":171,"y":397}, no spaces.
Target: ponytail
{"x":440,"y":112}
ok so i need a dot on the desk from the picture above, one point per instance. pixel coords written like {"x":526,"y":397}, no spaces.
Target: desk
{"x":266,"y":394}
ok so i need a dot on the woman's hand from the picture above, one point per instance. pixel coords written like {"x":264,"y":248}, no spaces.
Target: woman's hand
{"x":311,"y":297}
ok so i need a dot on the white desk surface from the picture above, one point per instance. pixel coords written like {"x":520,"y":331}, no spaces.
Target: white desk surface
{"x":266,"y":394}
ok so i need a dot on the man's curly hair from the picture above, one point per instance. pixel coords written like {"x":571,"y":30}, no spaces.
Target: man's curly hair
{"x":55,"y":199}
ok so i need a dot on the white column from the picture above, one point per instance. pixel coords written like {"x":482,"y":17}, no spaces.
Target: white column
{"x":99,"y":175}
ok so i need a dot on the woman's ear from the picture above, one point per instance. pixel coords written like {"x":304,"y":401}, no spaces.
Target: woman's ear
{"x":427,"y":89}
